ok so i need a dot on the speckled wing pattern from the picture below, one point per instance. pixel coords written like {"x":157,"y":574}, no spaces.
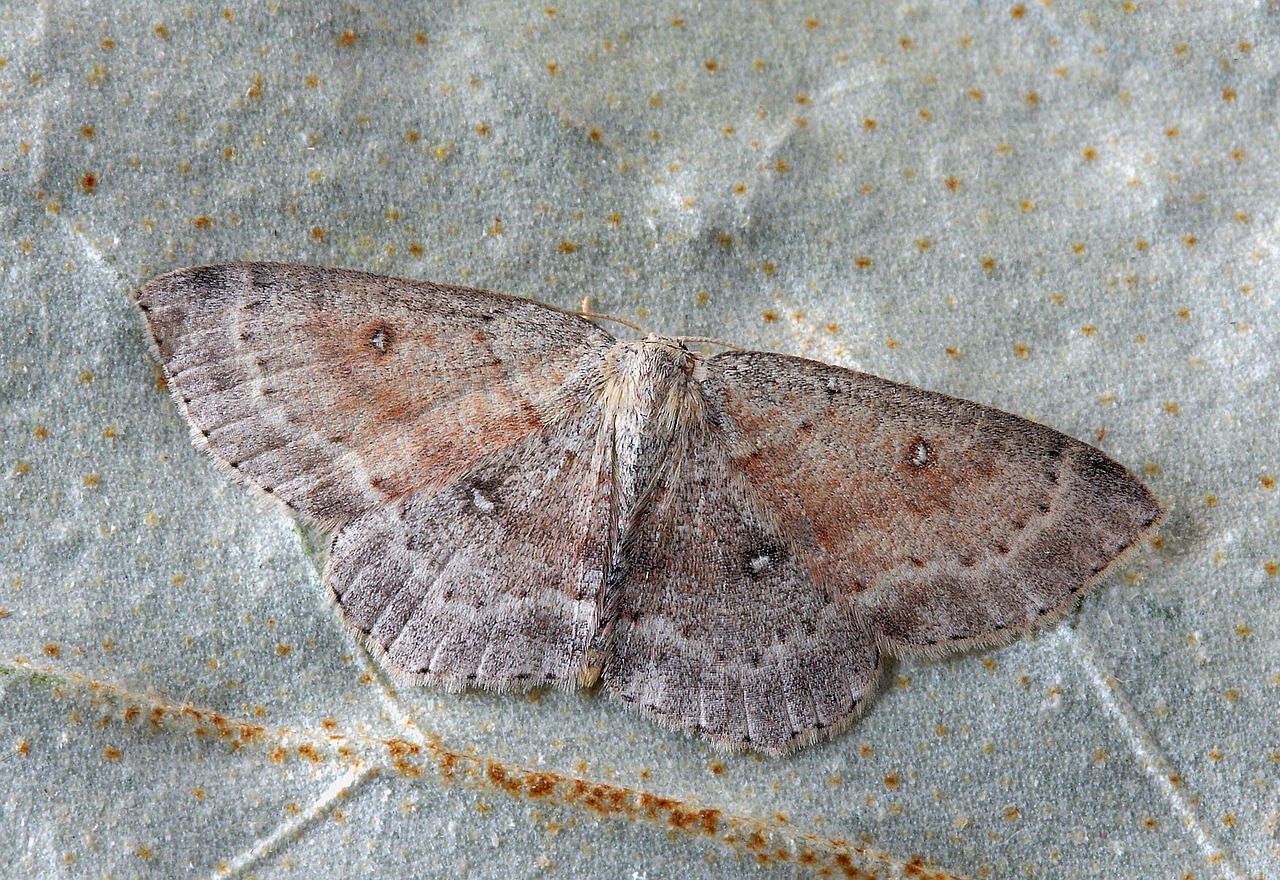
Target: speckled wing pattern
{"x":728,"y":543}
{"x":429,"y":426}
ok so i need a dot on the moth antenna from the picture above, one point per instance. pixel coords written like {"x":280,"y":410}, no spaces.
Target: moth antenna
{"x":707,"y":340}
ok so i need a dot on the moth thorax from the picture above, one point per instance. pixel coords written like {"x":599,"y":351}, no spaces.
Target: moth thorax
{"x":655,"y":398}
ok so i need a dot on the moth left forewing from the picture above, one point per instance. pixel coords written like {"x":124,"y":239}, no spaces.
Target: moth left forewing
{"x":337,"y":391}
{"x":940,"y":522}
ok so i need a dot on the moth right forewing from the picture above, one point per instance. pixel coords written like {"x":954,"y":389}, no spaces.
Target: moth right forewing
{"x":940,"y":521}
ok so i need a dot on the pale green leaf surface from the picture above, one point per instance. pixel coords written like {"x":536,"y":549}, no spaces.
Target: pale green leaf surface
{"x":1065,"y":210}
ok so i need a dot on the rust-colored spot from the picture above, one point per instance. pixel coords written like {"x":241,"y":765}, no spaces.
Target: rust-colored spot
{"x":52,"y":650}
{"x":846,"y":866}
{"x":770,"y":315}
{"x":1267,"y":481}
{"x":202,"y":222}
{"x":161,"y":31}
{"x":892,"y":780}
{"x":88,"y":182}
{"x":540,"y":784}
{"x":448,"y":766}
{"x":347,"y":38}
{"x":111,"y":753}
{"x":952,"y":183}
{"x":402,"y":747}
{"x":862,"y":262}
{"x":406,"y":768}
{"x":23,"y":748}
{"x":711,"y":65}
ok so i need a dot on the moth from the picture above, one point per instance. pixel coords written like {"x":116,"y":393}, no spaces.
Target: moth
{"x":729,"y":543}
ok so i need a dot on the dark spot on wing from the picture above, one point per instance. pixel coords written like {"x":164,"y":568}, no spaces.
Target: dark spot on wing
{"x":919,"y":453}
{"x":379,"y":338}
{"x":763,"y":556}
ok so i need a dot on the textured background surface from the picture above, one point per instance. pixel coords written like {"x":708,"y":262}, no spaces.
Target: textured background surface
{"x":1065,"y":210}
